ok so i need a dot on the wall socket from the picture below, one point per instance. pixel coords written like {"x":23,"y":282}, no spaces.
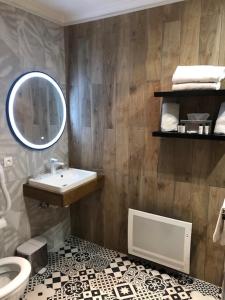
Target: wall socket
{"x":8,"y":161}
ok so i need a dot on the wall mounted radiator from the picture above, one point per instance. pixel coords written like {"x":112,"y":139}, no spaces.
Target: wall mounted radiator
{"x":162,"y":240}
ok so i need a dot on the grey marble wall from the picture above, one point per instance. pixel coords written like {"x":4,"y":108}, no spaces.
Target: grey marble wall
{"x":28,"y":42}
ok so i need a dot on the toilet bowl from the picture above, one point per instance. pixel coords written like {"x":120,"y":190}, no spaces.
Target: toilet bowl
{"x":14,"y":276}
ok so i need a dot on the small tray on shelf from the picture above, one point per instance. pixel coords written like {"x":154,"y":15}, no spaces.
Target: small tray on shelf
{"x":192,"y":126}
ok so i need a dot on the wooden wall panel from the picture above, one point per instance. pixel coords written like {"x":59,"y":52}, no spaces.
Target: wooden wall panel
{"x":190,"y":27}
{"x":170,"y":55}
{"x":114,"y":67}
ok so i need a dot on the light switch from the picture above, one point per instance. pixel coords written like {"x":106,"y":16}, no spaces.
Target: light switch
{"x":8,"y":161}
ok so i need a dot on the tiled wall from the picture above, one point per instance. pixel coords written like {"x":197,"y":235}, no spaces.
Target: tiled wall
{"x":28,"y":42}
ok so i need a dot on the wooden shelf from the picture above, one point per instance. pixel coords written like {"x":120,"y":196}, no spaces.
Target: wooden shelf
{"x":195,"y":136}
{"x":191,"y":93}
{"x":67,"y":198}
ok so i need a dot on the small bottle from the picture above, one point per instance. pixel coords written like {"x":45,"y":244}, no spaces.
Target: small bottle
{"x":183,"y":128}
{"x":200,"y":129}
{"x":179,"y":128}
{"x":206,"y":129}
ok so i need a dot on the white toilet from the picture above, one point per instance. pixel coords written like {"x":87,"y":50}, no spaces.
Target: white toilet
{"x":14,"y":276}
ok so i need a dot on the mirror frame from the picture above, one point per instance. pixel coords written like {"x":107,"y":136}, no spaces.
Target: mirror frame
{"x":10,"y":115}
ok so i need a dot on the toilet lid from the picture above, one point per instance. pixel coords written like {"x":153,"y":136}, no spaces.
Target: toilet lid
{"x":24,"y":272}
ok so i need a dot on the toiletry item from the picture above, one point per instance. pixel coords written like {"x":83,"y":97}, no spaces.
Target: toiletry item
{"x":200,"y":129}
{"x":183,"y":128}
{"x":206,"y":129}
{"x":179,"y":128}
{"x":191,"y":131}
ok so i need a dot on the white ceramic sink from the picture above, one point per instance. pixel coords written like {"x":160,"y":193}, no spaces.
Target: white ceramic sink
{"x":63,"y":180}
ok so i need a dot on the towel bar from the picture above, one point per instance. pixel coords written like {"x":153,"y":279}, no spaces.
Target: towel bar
{"x":223,"y":215}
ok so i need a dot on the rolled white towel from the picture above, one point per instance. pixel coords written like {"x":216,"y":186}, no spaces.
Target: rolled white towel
{"x":199,"y":86}
{"x":199,"y":73}
{"x":220,"y":122}
{"x":170,"y":116}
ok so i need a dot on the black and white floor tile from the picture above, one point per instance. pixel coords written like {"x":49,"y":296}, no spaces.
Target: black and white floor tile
{"x":81,"y":270}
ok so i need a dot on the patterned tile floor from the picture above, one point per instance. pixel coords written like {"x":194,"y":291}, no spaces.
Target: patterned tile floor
{"x":83,"y":270}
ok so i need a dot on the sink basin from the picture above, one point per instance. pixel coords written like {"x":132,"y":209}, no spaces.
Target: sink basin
{"x":63,"y":180}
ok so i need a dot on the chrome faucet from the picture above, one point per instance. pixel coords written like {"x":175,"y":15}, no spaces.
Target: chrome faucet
{"x":54,"y":163}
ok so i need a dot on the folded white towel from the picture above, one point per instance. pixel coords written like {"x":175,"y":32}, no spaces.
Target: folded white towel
{"x":220,"y":122}
{"x":219,"y":233}
{"x":170,"y":116}
{"x":199,"y":73}
{"x":199,"y":86}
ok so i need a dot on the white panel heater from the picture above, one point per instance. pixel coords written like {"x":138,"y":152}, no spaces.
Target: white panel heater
{"x":162,"y":240}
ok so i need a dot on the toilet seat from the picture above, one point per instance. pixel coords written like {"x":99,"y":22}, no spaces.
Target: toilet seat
{"x":23,"y":274}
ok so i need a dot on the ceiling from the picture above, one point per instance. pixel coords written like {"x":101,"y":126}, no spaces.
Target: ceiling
{"x":67,"y":12}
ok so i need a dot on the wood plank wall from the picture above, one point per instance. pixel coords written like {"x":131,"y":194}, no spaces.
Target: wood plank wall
{"x":114,"y":66}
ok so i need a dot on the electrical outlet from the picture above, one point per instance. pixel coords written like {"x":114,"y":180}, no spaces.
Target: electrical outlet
{"x":8,"y":161}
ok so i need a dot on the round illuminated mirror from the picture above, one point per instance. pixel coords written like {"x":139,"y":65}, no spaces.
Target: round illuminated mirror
{"x":36,"y":110}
